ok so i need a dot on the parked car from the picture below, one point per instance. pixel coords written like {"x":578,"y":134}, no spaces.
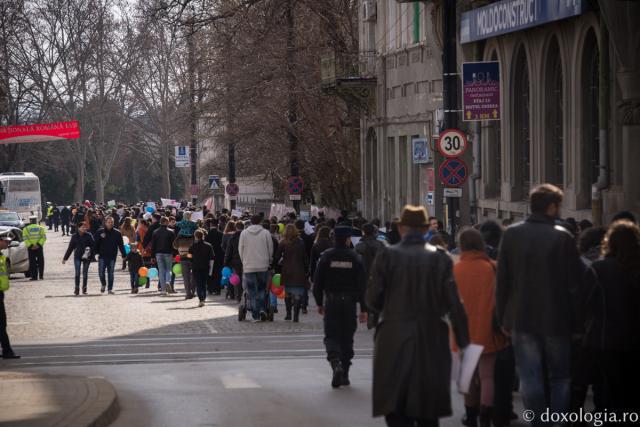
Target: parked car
{"x":16,"y":253}
{"x":11,"y":219}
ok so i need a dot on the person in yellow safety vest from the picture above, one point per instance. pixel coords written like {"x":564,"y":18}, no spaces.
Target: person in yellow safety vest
{"x":7,"y":351}
{"x":50,"y":215}
{"x":34,"y":238}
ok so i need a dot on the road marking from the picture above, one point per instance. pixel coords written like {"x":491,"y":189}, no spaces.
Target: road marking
{"x":195,"y":359}
{"x":180,"y":353}
{"x":204,"y":340}
{"x":238,"y":381}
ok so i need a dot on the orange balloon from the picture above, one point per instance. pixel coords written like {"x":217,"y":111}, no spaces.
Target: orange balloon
{"x":142,"y":271}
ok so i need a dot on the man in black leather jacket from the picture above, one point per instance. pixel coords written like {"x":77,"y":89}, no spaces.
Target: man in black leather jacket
{"x":538,"y":271}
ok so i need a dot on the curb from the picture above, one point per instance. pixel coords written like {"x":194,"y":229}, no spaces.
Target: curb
{"x":70,"y":401}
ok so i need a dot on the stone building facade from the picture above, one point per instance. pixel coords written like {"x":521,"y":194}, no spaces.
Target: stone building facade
{"x":570,"y":100}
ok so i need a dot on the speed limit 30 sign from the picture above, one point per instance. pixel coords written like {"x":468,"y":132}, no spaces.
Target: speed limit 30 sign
{"x":452,"y":143}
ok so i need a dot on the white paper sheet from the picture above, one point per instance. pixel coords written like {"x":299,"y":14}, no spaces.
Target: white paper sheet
{"x":468,"y":364}
{"x":195,"y":216}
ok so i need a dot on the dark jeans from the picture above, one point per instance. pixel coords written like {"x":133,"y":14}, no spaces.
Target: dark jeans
{"x":134,"y":276}
{"x":109,"y":265}
{"x":56,"y":223}
{"x":399,"y":420}
{"x":189,"y":286}
{"x":65,"y":228}
{"x":4,"y":338}
{"x":36,"y":262}
{"x":620,"y":379}
{"x":340,"y":324}
{"x":200,"y":277}
{"x":256,"y":284}
{"x":536,"y":355}
{"x":81,"y":266}
{"x":585,"y":372}
{"x":504,"y":377}
{"x":213,"y":281}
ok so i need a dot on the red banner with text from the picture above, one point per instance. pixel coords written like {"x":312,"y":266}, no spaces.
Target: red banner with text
{"x":42,"y":132}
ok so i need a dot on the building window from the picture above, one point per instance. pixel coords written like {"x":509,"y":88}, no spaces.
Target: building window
{"x":371,"y":168}
{"x":521,"y":126}
{"x":416,"y":22}
{"x":390,"y":176}
{"x":415,"y":176}
{"x":403,"y":169}
{"x":590,"y":112}
{"x":554,"y":107}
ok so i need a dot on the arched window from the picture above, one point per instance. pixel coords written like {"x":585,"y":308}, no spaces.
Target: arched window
{"x":521,"y":126}
{"x":371,"y":167}
{"x":590,"y":138}
{"x":554,"y":107}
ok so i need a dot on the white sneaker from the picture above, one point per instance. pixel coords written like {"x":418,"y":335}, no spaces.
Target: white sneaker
{"x":201,"y":304}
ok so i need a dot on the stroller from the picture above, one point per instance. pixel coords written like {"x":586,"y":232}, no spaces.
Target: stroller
{"x":245,"y":306}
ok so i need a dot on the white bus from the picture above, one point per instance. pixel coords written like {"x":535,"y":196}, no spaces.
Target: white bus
{"x":20,"y":193}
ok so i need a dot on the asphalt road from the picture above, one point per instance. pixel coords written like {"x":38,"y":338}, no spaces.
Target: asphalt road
{"x":174,"y":364}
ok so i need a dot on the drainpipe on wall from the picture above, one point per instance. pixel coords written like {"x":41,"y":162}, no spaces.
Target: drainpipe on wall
{"x":475,"y":146}
{"x":603,"y":126}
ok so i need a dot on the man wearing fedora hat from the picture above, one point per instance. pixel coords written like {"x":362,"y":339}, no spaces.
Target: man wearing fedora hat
{"x":413,"y":290}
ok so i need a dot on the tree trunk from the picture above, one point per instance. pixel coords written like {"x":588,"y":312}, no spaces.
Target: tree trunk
{"x":78,"y":190}
{"x":99,"y":183}
{"x":164,"y":167}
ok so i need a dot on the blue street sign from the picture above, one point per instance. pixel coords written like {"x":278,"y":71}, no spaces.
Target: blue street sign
{"x":507,"y":16}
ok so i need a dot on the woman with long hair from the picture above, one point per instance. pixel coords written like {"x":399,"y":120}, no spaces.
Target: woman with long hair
{"x":613,"y":317}
{"x":475,"y":276}
{"x":227,"y":234}
{"x":321,"y":244}
{"x":127,"y":230}
{"x":292,"y":258}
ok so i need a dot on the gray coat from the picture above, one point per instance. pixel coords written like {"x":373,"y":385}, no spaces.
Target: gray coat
{"x":413,"y":289}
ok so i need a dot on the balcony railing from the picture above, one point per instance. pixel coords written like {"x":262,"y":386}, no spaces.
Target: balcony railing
{"x":353,"y":69}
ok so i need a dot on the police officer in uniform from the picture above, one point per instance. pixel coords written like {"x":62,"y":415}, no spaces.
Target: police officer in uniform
{"x":34,"y":238}
{"x":339,"y":285}
{"x":7,"y":351}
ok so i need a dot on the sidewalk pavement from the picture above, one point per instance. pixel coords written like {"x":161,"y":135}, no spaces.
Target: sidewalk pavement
{"x":31,"y":399}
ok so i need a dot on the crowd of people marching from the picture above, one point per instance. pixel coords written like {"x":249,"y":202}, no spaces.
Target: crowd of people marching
{"x":556,"y":299}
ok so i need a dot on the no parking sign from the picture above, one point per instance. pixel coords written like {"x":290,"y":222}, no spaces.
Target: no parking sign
{"x":453,"y":173}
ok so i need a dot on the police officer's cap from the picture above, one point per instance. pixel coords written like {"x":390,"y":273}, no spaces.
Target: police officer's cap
{"x":4,"y":235}
{"x":342,"y":232}
{"x":33,"y":218}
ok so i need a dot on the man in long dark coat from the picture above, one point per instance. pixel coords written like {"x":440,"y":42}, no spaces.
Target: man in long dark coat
{"x":413,"y":290}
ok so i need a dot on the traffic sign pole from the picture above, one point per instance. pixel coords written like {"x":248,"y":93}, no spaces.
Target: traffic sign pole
{"x":450,"y":89}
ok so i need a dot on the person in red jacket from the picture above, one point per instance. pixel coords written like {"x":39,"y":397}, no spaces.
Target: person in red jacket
{"x":475,"y":276}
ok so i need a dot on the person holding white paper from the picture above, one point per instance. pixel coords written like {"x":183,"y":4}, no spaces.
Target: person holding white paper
{"x":475,"y":276}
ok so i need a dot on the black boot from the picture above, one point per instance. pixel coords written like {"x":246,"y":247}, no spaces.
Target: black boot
{"x":338,"y":373}
{"x":76,"y":291}
{"x":287,"y":305}
{"x":345,"y":375}
{"x":470,"y":418}
{"x":296,"y":311}
{"x":485,"y":416}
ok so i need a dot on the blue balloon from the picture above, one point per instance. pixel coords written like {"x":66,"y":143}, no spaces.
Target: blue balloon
{"x":127,"y":249}
{"x":226,"y":272}
{"x":153,"y":272}
{"x":150,"y":209}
